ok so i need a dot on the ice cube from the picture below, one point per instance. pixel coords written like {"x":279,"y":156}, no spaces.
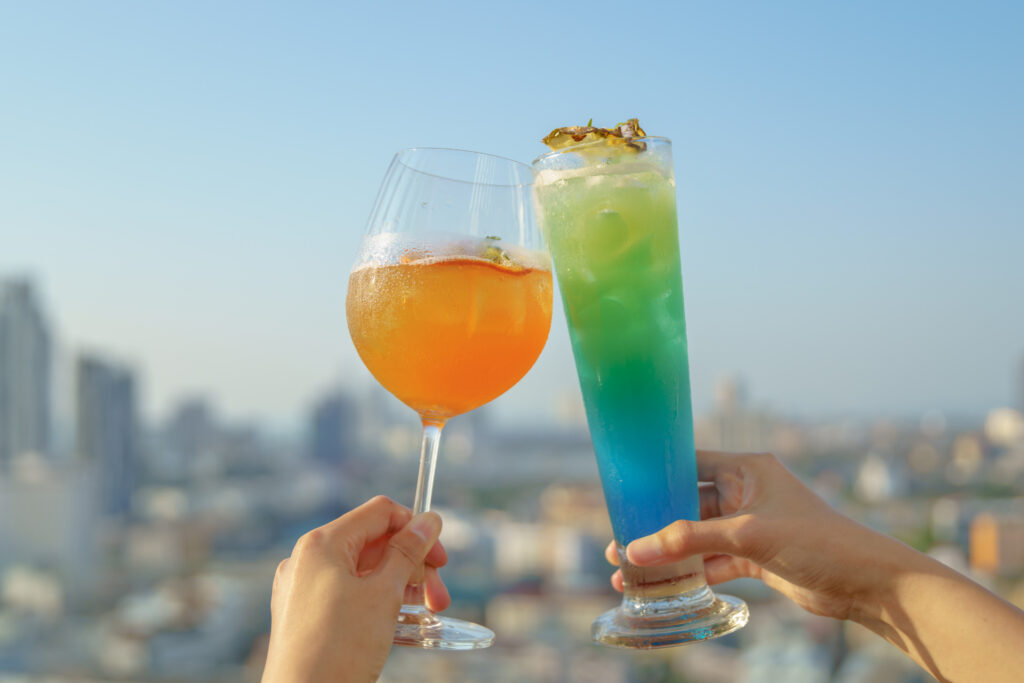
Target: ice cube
{"x":607,"y":234}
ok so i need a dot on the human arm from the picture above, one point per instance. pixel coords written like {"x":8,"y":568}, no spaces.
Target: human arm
{"x":760,"y":521}
{"x":336,"y":599}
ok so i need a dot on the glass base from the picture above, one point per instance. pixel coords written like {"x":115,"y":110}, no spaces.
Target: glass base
{"x":648,"y":624}
{"x":419,"y":627}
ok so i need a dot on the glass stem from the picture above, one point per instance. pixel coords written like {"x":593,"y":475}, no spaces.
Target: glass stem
{"x":669,"y":588}
{"x":428,"y":463}
{"x":414,"y":604}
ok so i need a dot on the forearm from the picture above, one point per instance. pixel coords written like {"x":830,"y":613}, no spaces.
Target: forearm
{"x":315,"y":667}
{"x":951,"y":626}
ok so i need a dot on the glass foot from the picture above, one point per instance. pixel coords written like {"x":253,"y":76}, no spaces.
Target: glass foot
{"x":652,"y":627}
{"x":419,"y":627}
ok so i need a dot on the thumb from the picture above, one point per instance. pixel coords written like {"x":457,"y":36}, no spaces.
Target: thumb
{"x":686,"y":538}
{"x":408,"y":548}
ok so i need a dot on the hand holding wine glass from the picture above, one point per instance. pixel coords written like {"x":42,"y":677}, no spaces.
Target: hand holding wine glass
{"x":449,"y":305}
{"x":336,"y":596}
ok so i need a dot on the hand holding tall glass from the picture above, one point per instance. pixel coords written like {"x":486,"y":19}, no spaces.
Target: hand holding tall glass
{"x":449,"y":305}
{"x":608,"y":212}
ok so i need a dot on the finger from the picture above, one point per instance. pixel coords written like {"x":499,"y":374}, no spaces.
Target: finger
{"x":708,"y":463}
{"x":371,"y":554}
{"x":360,"y":527}
{"x":685,"y":538}
{"x":374,"y":551}
{"x":721,"y":568}
{"x":437,"y":556}
{"x":435,"y":591}
{"x":409,"y":547}
{"x":617,"y":580}
{"x":280,"y":588}
{"x":375,"y":518}
{"x":710,"y":505}
{"x":712,"y":465}
{"x":282,"y":567}
{"x":611,"y":553}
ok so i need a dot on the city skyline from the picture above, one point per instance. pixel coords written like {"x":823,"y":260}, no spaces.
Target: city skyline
{"x":65,"y":360}
{"x":157,"y":561}
{"x":188,"y":184}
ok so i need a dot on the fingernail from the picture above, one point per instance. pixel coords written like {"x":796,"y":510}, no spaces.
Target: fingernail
{"x":426,"y":525}
{"x":644,"y":550}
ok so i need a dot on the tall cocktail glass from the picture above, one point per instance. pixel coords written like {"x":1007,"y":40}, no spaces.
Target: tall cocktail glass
{"x":449,"y":305}
{"x":608,"y":212}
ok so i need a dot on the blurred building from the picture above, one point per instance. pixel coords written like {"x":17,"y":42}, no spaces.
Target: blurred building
{"x":108,"y":430}
{"x":24,"y":373}
{"x":48,"y":520}
{"x":189,"y":435}
{"x":1019,"y":384}
{"x":735,"y":425}
{"x":1004,"y":428}
{"x":580,"y":506}
{"x":333,"y":428}
{"x":997,"y":544}
{"x":878,"y":480}
{"x":967,"y":455}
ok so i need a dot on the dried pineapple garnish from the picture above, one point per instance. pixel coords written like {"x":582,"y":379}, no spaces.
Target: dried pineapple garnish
{"x":622,"y":134}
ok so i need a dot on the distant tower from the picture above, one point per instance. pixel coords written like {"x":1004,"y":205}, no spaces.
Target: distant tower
{"x":333,"y":425}
{"x":730,"y":395}
{"x":24,"y":373}
{"x":1020,"y":384}
{"x":191,"y":430}
{"x":108,"y":430}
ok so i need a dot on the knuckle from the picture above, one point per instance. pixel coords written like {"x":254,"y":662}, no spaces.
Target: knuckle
{"x":310,"y":541}
{"x":674,"y":539}
{"x":381,"y":501}
{"x":400,"y":544}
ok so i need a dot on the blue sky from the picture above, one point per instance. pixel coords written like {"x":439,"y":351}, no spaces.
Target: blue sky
{"x":188,"y":181}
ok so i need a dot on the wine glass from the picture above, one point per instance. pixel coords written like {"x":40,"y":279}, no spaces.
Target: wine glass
{"x":449,"y":305}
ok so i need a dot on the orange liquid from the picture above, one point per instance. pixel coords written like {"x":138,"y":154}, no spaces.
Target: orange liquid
{"x":448,"y":336}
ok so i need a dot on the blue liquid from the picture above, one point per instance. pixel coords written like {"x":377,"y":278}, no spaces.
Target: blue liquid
{"x":641,"y":423}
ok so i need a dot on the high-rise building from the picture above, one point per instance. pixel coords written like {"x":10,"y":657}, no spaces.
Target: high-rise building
{"x":333,"y":428}
{"x":730,"y":395}
{"x":1020,"y":384}
{"x":734,"y":424}
{"x":108,"y":430}
{"x":24,"y":373}
{"x":192,"y":430}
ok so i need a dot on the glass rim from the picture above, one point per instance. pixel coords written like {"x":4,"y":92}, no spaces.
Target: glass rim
{"x":513,"y":162}
{"x":593,"y":143}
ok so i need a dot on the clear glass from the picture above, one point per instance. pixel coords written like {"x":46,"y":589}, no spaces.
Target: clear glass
{"x":449,"y":305}
{"x":608,"y":212}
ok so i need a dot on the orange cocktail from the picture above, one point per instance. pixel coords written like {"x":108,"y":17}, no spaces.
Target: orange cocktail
{"x":448,"y":335}
{"x":449,"y":305}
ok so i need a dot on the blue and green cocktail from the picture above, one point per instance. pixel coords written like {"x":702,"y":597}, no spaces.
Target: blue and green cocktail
{"x":608,"y":211}
{"x":613,"y":230}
